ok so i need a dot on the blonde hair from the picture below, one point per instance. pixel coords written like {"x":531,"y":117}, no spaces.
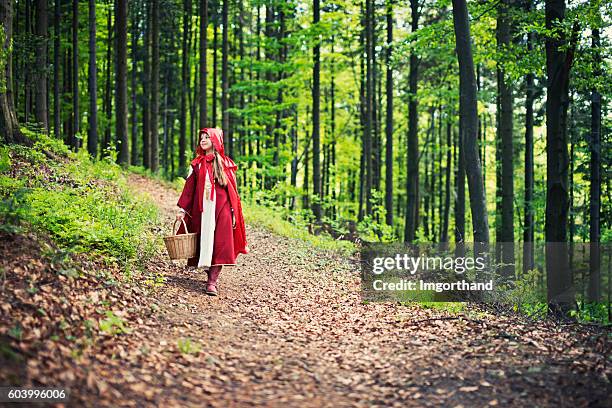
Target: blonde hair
{"x":218,"y":169}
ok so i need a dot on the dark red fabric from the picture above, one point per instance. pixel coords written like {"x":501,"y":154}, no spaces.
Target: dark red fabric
{"x":223,"y":245}
{"x":194,"y":187}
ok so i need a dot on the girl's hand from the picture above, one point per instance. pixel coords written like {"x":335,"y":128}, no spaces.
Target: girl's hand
{"x":180,"y":215}
{"x":233,"y":220}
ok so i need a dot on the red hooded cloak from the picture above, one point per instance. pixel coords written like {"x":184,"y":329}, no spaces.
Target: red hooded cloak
{"x":194,"y":187}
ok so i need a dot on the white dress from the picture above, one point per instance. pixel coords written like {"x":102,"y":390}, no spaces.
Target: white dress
{"x":207,"y":235}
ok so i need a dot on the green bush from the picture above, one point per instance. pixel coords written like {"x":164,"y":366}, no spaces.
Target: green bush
{"x":83,"y":205}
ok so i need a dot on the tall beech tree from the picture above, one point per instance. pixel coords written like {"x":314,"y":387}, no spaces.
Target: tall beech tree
{"x":121,"y":115}
{"x":155,"y":86}
{"x":185,"y":68}
{"x":203,"y":66}
{"x":412,"y":145}
{"x":146,"y":89}
{"x":76,"y":118}
{"x":469,"y":120}
{"x":558,"y":65}
{"x":9,"y":126}
{"x":41,"y":62}
{"x":92,"y":82}
{"x":504,"y":134}
{"x":56,"y":70}
{"x":594,"y":286}
{"x":389,"y":119}
{"x":528,"y":208}
{"x":316,"y":126}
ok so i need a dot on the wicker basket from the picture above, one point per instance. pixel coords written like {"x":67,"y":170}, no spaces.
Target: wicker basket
{"x":182,"y":246}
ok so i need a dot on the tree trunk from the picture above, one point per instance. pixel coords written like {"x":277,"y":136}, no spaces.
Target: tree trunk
{"x":92,"y":115}
{"x":27,"y":88}
{"x":75,"y":75}
{"x":446,"y":216}
{"x":107,"y":104}
{"x":56,"y":78}
{"x":146,"y":91}
{"x":469,"y":118}
{"x":41,"y":62}
{"x":316,"y":100}
{"x":9,"y":126}
{"x":594,"y":288}
{"x":187,"y":7}
{"x":528,"y":224}
{"x":460,"y":185}
{"x":369,"y":93}
{"x":155,"y":88}
{"x":215,"y":70}
{"x":121,"y":117}
{"x":389,"y":120}
{"x":134,"y":71}
{"x":505,"y":131}
{"x":224,"y":77}
{"x":203,"y":68}
{"x":412,"y":174}
{"x":558,"y":64}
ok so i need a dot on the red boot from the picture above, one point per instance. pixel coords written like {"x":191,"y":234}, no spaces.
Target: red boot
{"x":213,"y":275}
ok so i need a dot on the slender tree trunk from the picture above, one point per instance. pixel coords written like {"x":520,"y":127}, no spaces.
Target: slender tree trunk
{"x":215,"y":76}
{"x":389,"y":120}
{"x":56,"y":78}
{"x":155,"y":88}
{"x":316,"y":137}
{"x":558,"y":64}
{"x":469,"y":118}
{"x":447,"y":187}
{"x":460,"y":185}
{"x":187,"y":7}
{"x":75,"y":74}
{"x":203,"y":67}
{"x":225,"y":78}
{"x":121,"y":117}
{"x":107,"y":103}
{"x":412,"y":171}
{"x":369,"y":92}
{"x":146,"y":91}
{"x":528,"y":224}
{"x":165,"y":124}
{"x":92,"y":115}
{"x":594,"y":288}
{"x":27,"y":88}
{"x":41,"y":62}
{"x":362,"y":114}
{"x":134,"y":72}
{"x":294,"y":160}
{"x":505,"y":131}
{"x":9,"y":126}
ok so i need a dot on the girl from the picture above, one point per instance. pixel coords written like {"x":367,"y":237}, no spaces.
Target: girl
{"x":212,"y":205}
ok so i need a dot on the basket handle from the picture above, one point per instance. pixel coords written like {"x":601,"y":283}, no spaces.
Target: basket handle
{"x":174,"y":231}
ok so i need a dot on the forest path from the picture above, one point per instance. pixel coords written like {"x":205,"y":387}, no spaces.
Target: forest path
{"x":289,"y":329}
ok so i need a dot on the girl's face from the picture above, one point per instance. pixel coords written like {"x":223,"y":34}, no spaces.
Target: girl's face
{"x":205,"y":142}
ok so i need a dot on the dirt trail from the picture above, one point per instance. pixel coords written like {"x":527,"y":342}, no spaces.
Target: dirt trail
{"x":289,"y":329}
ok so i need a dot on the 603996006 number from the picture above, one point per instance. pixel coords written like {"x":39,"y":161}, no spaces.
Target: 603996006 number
{"x":19,"y":394}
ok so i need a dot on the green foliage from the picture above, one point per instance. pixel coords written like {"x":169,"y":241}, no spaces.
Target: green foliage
{"x":187,"y":346}
{"x":592,"y":313}
{"x":272,"y":218}
{"x":373,"y":227}
{"x":85,"y":206}
{"x":113,"y":324}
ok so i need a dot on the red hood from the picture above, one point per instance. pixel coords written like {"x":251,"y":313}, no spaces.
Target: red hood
{"x":216,"y":137}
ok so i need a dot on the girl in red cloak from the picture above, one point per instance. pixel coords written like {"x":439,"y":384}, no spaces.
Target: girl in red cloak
{"x":212,"y":205}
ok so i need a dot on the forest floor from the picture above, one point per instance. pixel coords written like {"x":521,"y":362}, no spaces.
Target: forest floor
{"x":289,"y":329}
